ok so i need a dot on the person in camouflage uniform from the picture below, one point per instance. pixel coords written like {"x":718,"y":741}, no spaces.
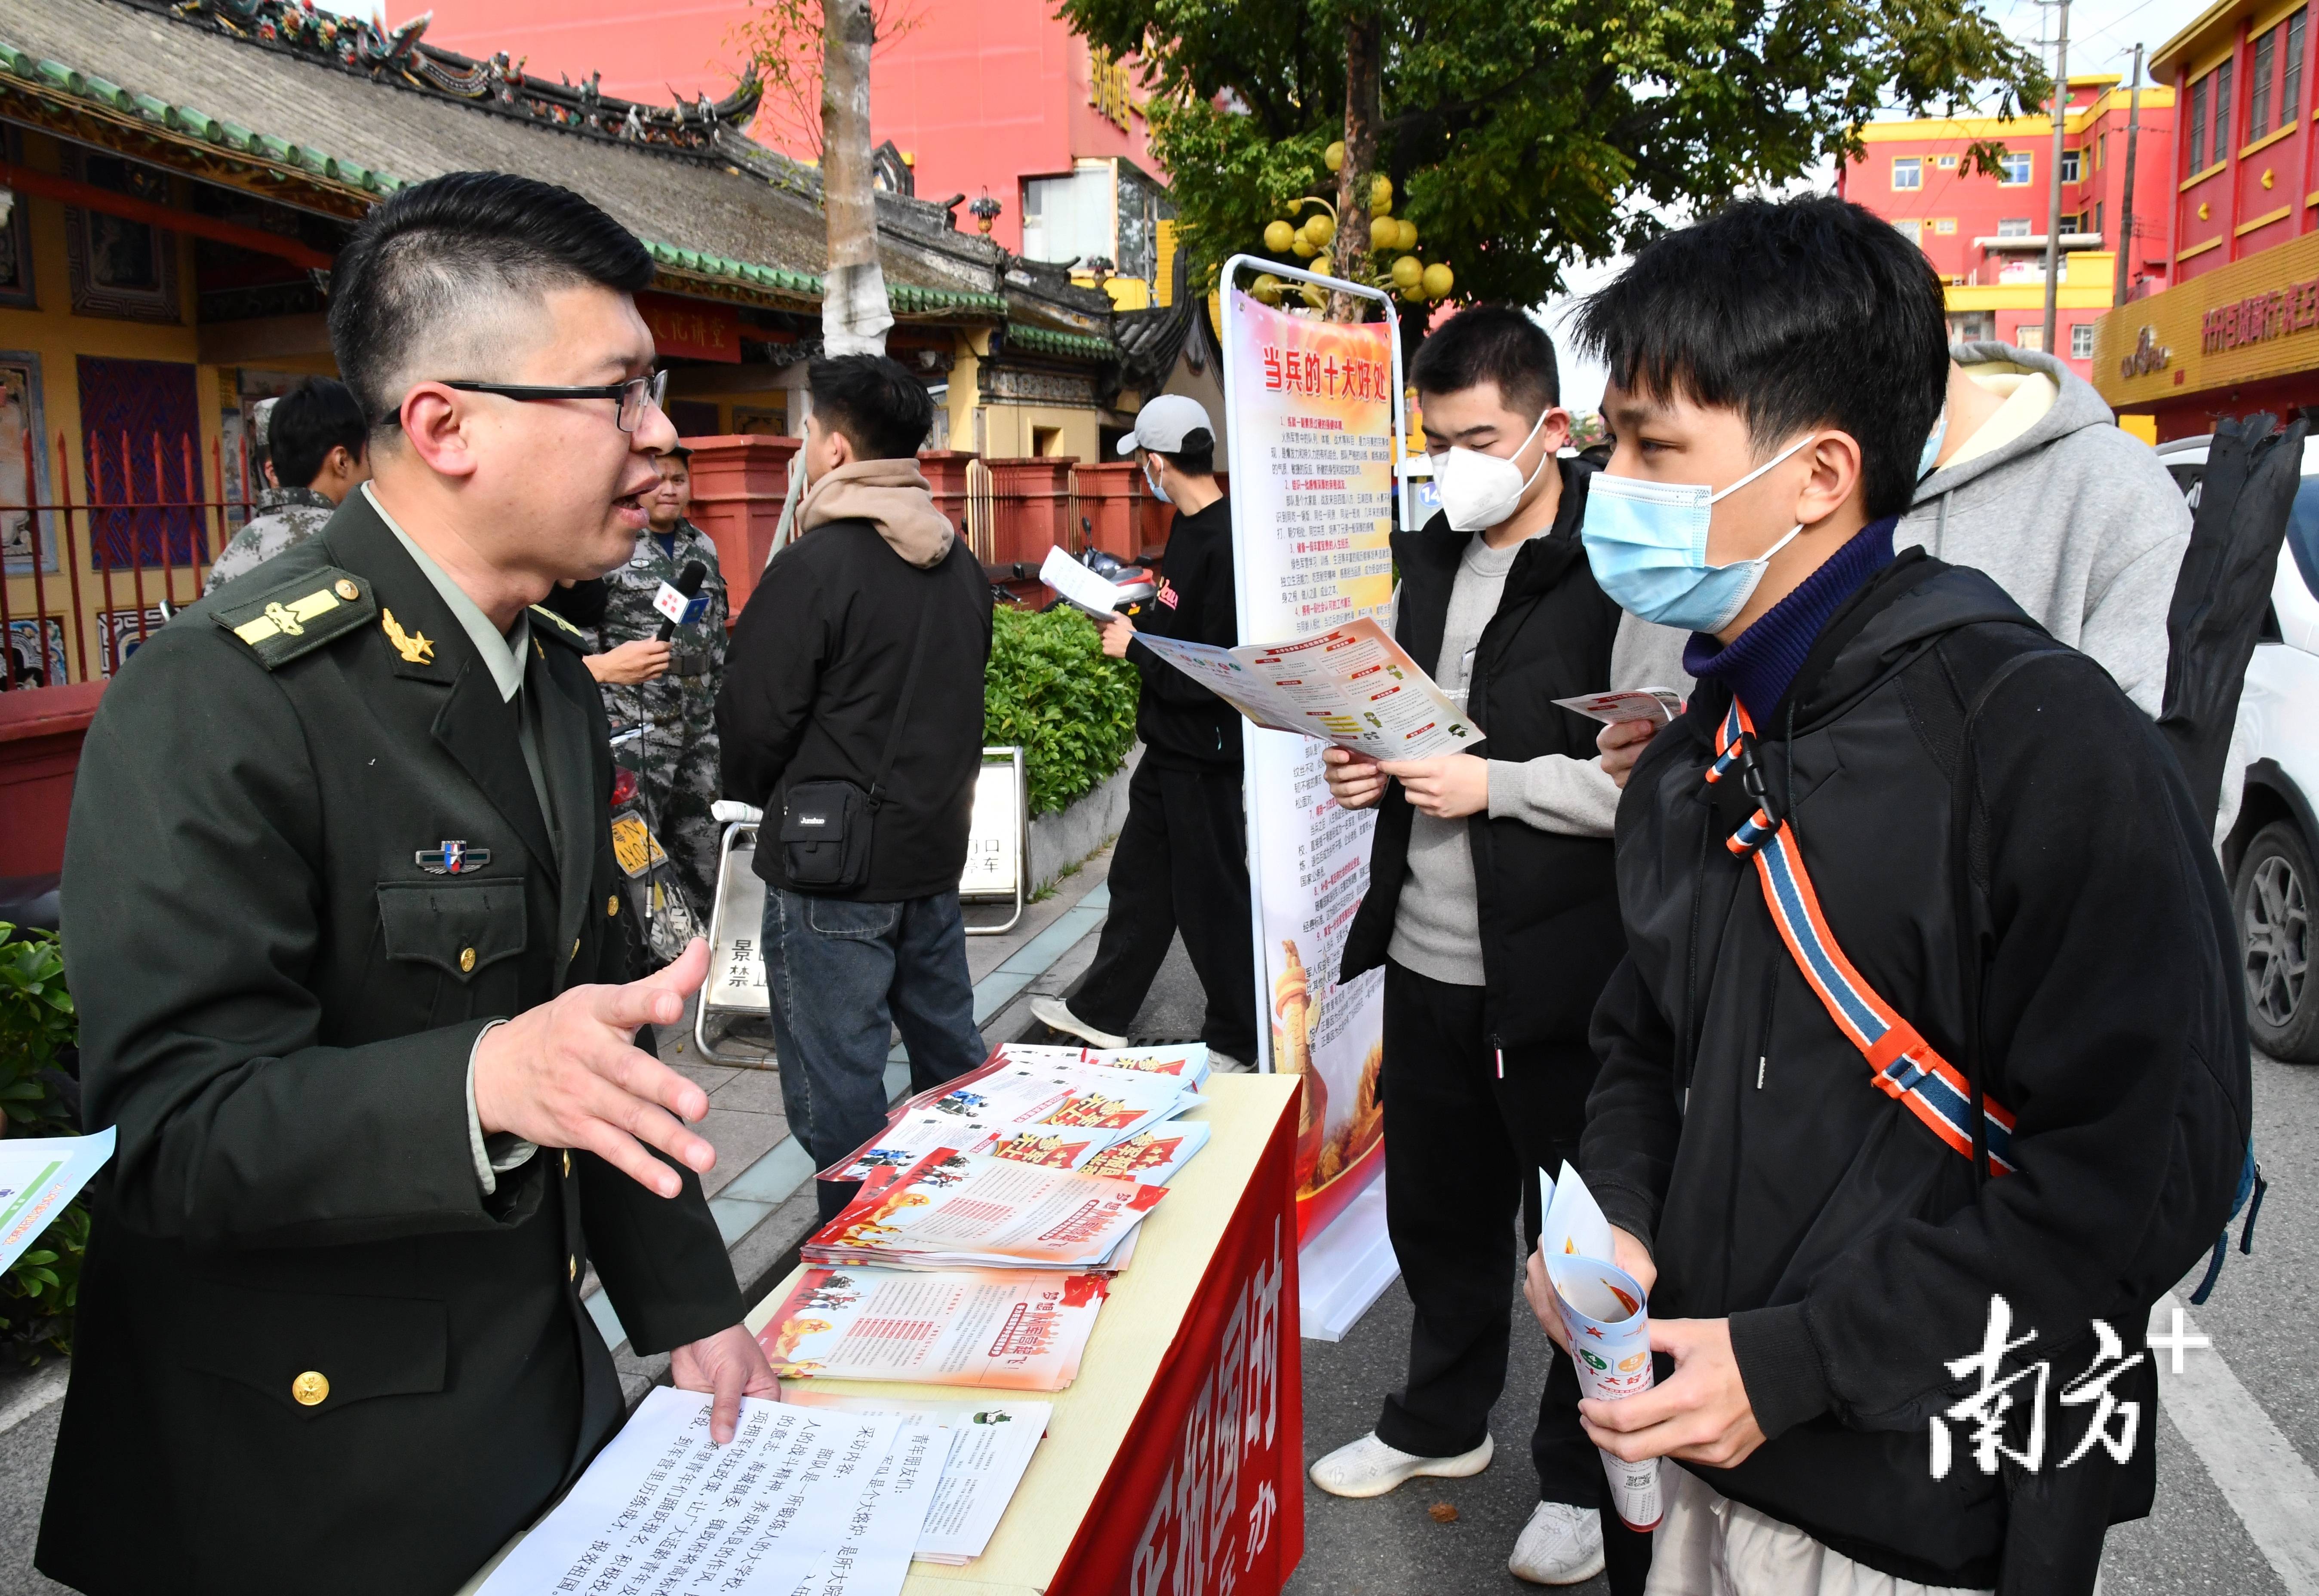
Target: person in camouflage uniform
{"x":314,"y":441}
{"x":676,"y":760}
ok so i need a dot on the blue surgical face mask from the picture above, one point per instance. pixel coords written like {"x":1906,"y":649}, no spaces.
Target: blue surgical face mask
{"x":1647,"y":544}
{"x":1932,"y":455}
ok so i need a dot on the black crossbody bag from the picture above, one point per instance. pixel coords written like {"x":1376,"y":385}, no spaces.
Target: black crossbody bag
{"x":826,"y":826}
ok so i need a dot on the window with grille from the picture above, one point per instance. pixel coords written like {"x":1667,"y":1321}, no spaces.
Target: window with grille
{"x":2221,"y":109}
{"x":2013,"y":226}
{"x":2259,"y":86}
{"x":1907,"y":172}
{"x":2073,"y":163}
{"x":2014,"y":169}
{"x":2081,"y":341}
{"x":2198,"y":97}
{"x":2290,"y":70}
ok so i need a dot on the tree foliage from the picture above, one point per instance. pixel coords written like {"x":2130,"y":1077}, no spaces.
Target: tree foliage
{"x":1052,"y":690}
{"x":785,"y":41}
{"x":1526,"y":135}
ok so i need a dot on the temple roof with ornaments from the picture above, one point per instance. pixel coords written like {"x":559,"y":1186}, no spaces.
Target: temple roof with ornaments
{"x":328,"y":114}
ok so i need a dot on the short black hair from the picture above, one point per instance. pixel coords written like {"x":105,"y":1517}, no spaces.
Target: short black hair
{"x":429,"y":272}
{"x":1196,"y":456}
{"x":883,"y":411}
{"x":1490,"y":344}
{"x":1796,"y":313}
{"x":307,"y":423}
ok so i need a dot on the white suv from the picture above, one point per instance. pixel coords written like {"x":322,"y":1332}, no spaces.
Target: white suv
{"x":2271,"y":850}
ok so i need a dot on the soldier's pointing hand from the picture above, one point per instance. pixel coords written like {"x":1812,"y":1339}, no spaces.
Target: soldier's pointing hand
{"x":567,"y":1074}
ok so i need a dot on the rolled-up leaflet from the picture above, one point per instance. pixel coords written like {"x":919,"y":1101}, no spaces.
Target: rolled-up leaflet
{"x":1607,"y":1318}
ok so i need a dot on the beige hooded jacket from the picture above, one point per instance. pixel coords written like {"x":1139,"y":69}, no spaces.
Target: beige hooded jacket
{"x":890,"y":495}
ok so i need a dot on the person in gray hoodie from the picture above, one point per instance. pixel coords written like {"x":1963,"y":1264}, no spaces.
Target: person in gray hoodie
{"x":2033,"y":482}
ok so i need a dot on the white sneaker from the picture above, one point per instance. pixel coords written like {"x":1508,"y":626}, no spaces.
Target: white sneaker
{"x":1368,"y":1468}
{"x":1055,"y":1014}
{"x":1560,"y":1545}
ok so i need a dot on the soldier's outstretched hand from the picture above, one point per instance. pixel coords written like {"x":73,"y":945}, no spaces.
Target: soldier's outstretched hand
{"x":568,"y":1074}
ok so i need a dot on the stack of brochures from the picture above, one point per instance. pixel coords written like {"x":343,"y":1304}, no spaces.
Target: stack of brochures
{"x":995,"y":1330}
{"x":1061,"y":1108}
{"x":954,"y":1210}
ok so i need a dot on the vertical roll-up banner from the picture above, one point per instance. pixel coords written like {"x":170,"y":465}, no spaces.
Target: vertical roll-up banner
{"x":1313,"y":421}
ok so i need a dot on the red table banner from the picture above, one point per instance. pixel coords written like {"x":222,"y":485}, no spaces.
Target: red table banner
{"x":1208,"y":1498}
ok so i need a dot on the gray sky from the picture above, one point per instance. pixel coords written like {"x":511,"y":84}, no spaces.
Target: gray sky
{"x":2102,"y":37}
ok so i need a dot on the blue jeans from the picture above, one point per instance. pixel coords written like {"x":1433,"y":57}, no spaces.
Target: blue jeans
{"x":841,"y":975}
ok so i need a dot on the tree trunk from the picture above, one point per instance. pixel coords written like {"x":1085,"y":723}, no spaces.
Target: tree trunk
{"x":1351,"y":249}
{"x":854,"y":313}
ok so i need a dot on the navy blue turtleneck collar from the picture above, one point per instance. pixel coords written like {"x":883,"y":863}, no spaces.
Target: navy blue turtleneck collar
{"x":1759,"y":664}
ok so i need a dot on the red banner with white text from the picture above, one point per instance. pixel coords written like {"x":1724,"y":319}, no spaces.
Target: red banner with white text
{"x":1207,"y":1496}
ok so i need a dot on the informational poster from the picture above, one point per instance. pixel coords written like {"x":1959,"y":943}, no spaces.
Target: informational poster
{"x":1310,"y":410}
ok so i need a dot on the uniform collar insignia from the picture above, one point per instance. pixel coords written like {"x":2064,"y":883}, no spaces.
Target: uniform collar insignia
{"x":415,"y":647}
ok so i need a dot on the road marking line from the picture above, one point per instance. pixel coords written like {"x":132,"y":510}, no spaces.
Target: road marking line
{"x":2257,"y":1469}
{"x":43,"y":1389}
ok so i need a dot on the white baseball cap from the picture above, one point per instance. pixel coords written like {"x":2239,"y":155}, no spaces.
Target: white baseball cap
{"x":1162,"y":424}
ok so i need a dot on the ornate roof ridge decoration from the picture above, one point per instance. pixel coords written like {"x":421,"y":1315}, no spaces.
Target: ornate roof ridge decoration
{"x":1070,"y":345}
{"x":400,"y":56}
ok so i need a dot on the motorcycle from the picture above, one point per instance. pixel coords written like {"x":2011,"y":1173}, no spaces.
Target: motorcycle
{"x":660,"y":919}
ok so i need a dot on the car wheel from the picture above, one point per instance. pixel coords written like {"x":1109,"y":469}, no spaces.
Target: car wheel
{"x":2277,"y":895}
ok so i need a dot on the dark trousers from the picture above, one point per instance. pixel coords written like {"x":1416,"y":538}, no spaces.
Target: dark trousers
{"x":1464,"y":1146}
{"x":1181,"y":864}
{"x":843,"y":977}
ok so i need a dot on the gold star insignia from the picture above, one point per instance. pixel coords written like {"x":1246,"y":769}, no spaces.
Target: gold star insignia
{"x":415,"y":647}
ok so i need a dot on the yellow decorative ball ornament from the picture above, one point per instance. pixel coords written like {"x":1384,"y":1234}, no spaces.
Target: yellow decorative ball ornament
{"x":1408,"y":230}
{"x":1321,"y":229}
{"x":1314,"y":296}
{"x":1415,"y":296}
{"x":1408,"y":273}
{"x":1438,"y":281}
{"x":1380,"y":195}
{"x":1278,"y":236}
{"x":1333,"y":157}
{"x":1304,"y":249}
{"x":1324,"y":265}
{"x":1384,"y":233}
{"x":1265,"y":288}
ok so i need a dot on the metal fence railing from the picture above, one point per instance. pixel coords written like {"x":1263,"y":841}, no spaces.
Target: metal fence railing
{"x":144,"y":536}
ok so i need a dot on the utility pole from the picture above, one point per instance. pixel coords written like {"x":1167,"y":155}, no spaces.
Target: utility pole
{"x":2053,"y":189}
{"x":2124,"y":249}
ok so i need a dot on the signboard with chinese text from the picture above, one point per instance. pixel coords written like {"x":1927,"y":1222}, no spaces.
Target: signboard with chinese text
{"x":695,"y":328}
{"x":1311,"y":416}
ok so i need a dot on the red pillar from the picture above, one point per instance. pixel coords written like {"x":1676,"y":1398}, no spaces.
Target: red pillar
{"x":1108,"y":501}
{"x":1032,"y":498}
{"x":738,"y":484}
{"x":945,"y":472}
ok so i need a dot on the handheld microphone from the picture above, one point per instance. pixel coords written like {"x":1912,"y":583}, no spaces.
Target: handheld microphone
{"x":672,"y":602}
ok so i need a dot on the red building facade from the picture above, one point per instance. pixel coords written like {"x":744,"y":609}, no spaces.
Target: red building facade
{"x":1985,"y":233}
{"x":2239,"y":331}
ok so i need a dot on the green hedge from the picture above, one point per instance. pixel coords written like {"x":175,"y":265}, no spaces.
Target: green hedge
{"x":37,"y":1024}
{"x":1051,"y":690}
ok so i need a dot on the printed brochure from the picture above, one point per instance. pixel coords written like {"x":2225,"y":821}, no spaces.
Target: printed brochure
{"x":997,"y":1329}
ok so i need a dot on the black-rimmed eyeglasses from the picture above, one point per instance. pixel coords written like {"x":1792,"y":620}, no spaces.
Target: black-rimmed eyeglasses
{"x":633,"y":395}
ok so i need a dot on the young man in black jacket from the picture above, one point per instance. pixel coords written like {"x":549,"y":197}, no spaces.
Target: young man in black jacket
{"x":1182,"y":859}
{"x":1926,"y":1072}
{"x":1491,"y":907}
{"x":860,"y":659}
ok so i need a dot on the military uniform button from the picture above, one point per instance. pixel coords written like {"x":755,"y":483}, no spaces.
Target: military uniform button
{"x":574,"y":1274}
{"x":575,"y":947}
{"x":567,"y":1163}
{"x":309,"y":1388}
{"x":347,"y":591}
{"x":612,"y":906}
{"x":466,"y":961}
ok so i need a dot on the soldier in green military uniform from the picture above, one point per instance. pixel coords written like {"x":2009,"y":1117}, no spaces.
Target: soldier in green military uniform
{"x":317,"y":445}
{"x":342,"y":919}
{"x":675,"y":761}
